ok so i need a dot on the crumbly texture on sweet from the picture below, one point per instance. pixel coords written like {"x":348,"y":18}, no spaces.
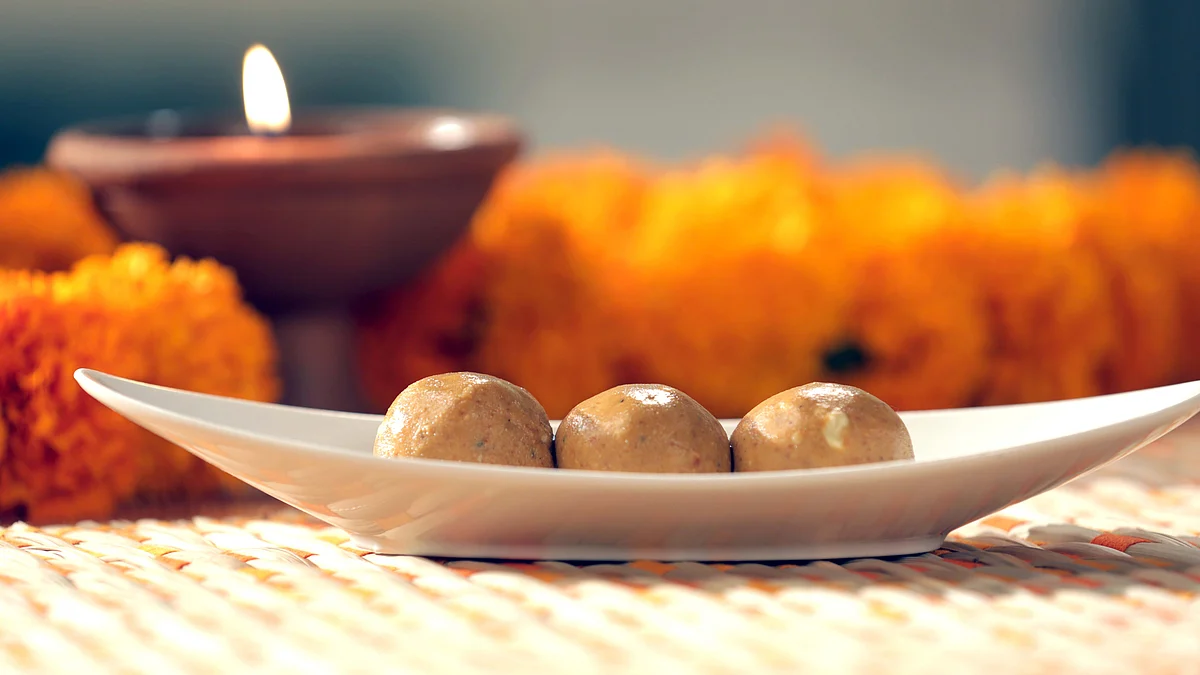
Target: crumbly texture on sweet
{"x":467,"y":417}
{"x":819,"y":425}
{"x":642,"y":428}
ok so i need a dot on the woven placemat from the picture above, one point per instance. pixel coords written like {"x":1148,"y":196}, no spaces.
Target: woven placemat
{"x":1099,"y":576}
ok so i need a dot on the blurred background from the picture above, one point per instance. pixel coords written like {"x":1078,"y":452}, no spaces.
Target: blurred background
{"x":975,"y":84}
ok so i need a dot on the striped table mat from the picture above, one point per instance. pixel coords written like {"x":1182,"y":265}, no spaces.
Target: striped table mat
{"x":1100,"y":576}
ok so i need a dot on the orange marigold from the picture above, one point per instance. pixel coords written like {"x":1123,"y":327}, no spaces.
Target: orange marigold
{"x":1050,"y":312}
{"x":189,"y":317}
{"x":63,"y":456}
{"x":134,"y":314}
{"x":743,"y":276}
{"x":916,"y":334}
{"x":731,"y":288}
{"x":1148,"y":214}
{"x":520,"y":297}
{"x":553,"y":232}
{"x":48,"y":221}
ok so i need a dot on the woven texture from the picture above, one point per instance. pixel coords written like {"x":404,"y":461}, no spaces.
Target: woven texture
{"x":1099,"y":576}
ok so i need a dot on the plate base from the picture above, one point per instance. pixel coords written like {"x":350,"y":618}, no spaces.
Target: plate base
{"x":610,"y":553}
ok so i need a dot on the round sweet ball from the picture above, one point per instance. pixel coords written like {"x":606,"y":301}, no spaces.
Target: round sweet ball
{"x":467,"y":417}
{"x":819,"y":425}
{"x":642,"y":428}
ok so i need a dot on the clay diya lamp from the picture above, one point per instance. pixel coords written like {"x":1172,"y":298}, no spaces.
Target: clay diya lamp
{"x":312,"y":213}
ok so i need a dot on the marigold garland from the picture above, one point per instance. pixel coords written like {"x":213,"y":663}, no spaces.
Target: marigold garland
{"x":740,"y":276}
{"x":1051,"y":315}
{"x":1148,"y":213}
{"x":919,"y":330}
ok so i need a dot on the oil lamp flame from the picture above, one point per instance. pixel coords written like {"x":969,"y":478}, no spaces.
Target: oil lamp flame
{"x":264,"y":93}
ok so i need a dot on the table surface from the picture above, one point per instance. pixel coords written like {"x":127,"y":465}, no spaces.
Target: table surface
{"x":1101,"y":575}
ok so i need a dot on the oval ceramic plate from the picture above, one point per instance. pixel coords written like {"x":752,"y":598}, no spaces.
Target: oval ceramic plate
{"x":969,"y":463}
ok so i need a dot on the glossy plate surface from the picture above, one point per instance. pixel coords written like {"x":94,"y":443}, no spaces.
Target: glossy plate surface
{"x":969,"y":463}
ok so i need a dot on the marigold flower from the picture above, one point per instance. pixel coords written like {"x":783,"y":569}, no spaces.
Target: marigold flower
{"x":47,"y":221}
{"x":189,"y":317}
{"x":1148,"y":212}
{"x":916,"y":334}
{"x":1051,"y":316}
{"x":559,"y":226}
{"x":133,"y":314}
{"x":63,"y":456}
{"x":734,"y":290}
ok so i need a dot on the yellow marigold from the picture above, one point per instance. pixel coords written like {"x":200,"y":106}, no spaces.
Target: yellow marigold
{"x":63,"y":456}
{"x":731,"y":287}
{"x":916,"y":334}
{"x":190,"y":319}
{"x":1148,"y":217}
{"x":47,"y":221}
{"x":1050,"y":312}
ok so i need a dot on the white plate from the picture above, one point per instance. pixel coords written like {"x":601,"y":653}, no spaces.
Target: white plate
{"x":969,"y":463}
